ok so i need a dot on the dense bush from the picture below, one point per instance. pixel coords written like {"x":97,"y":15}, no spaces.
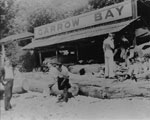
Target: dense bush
{"x":19,"y":58}
{"x":27,"y":62}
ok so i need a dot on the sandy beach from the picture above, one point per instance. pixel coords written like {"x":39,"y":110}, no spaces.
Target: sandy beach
{"x":36,"y":106}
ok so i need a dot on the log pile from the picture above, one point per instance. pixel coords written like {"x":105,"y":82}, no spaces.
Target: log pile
{"x":74,"y":90}
{"x":87,"y":85}
{"x":98,"y":87}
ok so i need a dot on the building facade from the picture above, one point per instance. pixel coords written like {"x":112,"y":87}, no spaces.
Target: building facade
{"x":80,"y":38}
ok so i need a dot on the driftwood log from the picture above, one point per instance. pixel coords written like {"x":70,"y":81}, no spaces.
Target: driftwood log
{"x":73,"y":90}
{"x":116,"y":91}
{"x":35,"y":85}
{"x":17,"y":88}
{"x":111,"y":88}
{"x":87,"y":85}
{"x":47,"y":87}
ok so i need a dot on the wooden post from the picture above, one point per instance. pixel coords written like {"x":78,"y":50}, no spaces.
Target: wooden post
{"x":57,"y":53}
{"x":40,"y":57}
{"x":134,"y":40}
{"x":134,"y":9}
{"x":77,"y":52}
{"x":134,"y":12}
{"x":3,"y":54}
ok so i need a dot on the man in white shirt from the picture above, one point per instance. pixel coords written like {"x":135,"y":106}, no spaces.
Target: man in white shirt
{"x":108,"y":47}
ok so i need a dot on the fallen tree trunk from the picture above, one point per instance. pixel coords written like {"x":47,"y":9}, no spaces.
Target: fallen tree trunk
{"x":17,"y":89}
{"x":35,"y":85}
{"x":47,"y":87}
{"x":111,"y":88}
{"x":73,"y":90}
{"x":91,"y":86}
{"x":91,"y":91}
{"x":116,"y":91}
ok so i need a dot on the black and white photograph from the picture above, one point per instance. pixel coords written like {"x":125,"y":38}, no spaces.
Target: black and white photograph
{"x":74,"y":59}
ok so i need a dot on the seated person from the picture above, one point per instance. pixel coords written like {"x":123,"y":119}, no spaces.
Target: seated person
{"x":61,"y":74}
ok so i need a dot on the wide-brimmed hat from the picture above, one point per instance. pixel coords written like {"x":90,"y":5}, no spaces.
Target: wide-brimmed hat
{"x":55,"y":61}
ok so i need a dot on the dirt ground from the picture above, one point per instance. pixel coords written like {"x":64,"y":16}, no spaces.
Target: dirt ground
{"x":36,"y":106}
{"x":39,"y":106}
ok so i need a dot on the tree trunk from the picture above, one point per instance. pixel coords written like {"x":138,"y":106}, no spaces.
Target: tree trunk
{"x":47,"y":87}
{"x":73,"y":90}
{"x":35,"y":85}
{"x":18,"y":90}
{"x":92,"y":86}
{"x":131,"y":89}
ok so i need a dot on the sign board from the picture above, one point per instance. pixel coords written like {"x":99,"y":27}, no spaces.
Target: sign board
{"x":107,"y":14}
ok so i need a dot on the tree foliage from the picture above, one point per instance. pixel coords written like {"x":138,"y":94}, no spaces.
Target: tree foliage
{"x":25,"y":15}
{"x":5,"y":16}
{"x":96,"y":4}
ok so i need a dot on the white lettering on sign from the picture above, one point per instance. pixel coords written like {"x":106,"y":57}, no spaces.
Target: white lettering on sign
{"x":104,"y":15}
{"x":109,"y":14}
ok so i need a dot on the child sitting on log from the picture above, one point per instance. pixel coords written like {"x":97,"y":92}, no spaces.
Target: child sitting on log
{"x":61,"y":75}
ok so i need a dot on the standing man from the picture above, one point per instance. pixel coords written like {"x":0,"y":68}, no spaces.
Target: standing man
{"x":108,"y":48}
{"x":7,"y":81}
{"x":61,"y":74}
